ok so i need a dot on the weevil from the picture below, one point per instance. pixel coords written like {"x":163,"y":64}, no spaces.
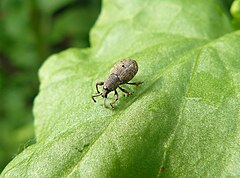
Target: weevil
{"x":121,"y":73}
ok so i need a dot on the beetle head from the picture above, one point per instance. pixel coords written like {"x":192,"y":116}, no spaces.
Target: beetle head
{"x":105,"y":92}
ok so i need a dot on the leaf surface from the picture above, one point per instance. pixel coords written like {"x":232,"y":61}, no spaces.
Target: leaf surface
{"x":182,"y":122}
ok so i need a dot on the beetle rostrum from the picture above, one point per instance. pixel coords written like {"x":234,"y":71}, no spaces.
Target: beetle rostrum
{"x":121,"y":73}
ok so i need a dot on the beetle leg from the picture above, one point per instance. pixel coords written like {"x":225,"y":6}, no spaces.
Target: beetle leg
{"x":125,"y":91}
{"x":98,"y":83}
{"x":135,"y":83}
{"x":99,"y":94}
{"x":104,"y":102}
{"x":116,"y":98}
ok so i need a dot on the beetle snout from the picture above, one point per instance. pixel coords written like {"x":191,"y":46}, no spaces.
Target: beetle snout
{"x":105,"y":93}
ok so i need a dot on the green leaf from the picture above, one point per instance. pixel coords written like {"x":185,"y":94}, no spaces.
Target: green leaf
{"x":182,"y":122}
{"x":235,"y":9}
{"x":51,"y":6}
{"x":235,"y":12}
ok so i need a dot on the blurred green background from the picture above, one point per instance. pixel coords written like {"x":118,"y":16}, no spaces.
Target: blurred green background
{"x":30,"y":31}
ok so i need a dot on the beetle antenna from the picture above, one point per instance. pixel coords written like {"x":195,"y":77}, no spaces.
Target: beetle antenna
{"x":99,"y":94}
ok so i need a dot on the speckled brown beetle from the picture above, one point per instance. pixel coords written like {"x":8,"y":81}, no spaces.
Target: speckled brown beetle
{"x":121,"y":73}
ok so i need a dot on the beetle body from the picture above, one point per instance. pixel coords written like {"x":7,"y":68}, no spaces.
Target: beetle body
{"x":125,"y":70}
{"x":121,"y":73}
